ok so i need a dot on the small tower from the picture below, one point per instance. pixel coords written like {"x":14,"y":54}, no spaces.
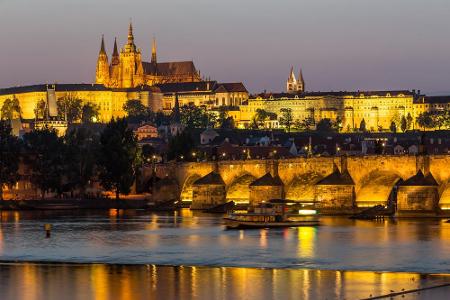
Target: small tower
{"x":114,"y":69}
{"x":291,"y":84}
{"x":294,"y":85}
{"x":131,"y":69}
{"x":102,"y":72}
{"x":300,"y":82}
{"x":154,"y":61}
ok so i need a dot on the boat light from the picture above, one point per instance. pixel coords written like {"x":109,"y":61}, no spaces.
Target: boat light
{"x":307,"y":212}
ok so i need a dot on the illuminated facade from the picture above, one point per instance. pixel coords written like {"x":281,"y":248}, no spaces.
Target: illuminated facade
{"x":109,"y":101}
{"x":128,"y":70}
{"x":378,"y":109}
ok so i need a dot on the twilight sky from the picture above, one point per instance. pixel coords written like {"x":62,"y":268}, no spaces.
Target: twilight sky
{"x":340,"y":44}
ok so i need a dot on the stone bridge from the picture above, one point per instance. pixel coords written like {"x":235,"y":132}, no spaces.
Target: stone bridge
{"x":335,"y":182}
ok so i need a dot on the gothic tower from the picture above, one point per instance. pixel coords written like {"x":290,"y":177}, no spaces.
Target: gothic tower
{"x":154,"y":61}
{"x":301,"y":82}
{"x":114,"y":69}
{"x":131,"y":70}
{"x":291,"y":84}
{"x":294,"y":85}
{"x":102,"y":71}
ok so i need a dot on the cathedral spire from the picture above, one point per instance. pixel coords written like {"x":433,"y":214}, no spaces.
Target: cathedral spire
{"x":130,"y":34}
{"x":102,"y":46}
{"x":301,"y":81}
{"x":154,"y":51}
{"x":115,"y":55}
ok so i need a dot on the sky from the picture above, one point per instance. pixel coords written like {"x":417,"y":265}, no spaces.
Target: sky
{"x":339,"y":44}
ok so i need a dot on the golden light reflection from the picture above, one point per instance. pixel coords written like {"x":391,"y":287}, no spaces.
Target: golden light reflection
{"x":241,"y":234}
{"x":30,"y":282}
{"x":306,"y":241}
{"x":99,"y":282}
{"x":263,"y":238}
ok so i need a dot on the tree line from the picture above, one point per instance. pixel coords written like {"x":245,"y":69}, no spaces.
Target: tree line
{"x":69,"y":163}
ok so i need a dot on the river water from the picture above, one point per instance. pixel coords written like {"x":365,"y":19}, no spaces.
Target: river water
{"x":295,"y":261}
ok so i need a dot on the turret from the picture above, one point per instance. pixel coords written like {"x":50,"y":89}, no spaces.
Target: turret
{"x":102,"y":71}
{"x":301,"y":82}
{"x":291,"y":84}
{"x":115,"y":60}
{"x":154,"y":61}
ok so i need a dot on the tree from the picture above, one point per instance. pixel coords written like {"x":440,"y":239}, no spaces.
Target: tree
{"x":304,"y":125}
{"x":89,"y":113}
{"x":403,"y":124}
{"x":160,"y":118}
{"x":337,"y":125}
{"x":181,"y":146}
{"x":261,"y":116}
{"x":9,"y":158}
{"x":70,"y":108}
{"x":39,"y":111}
{"x":44,"y":153}
{"x":324,"y":125}
{"x":286,"y":118}
{"x":393,"y":127}
{"x":117,"y":157}
{"x":137,"y":111}
{"x":10,"y":109}
{"x":80,"y":158}
{"x":409,"y":121}
{"x":362,"y":126}
{"x":224,"y":121}
{"x":193,"y":116}
{"x":425,"y":120}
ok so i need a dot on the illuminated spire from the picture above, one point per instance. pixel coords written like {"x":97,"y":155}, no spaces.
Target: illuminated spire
{"x":291,"y":75}
{"x":301,"y":81}
{"x":102,"y":46}
{"x":130,"y":34}
{"x":115,"y":55}
{"x":154,"y":51}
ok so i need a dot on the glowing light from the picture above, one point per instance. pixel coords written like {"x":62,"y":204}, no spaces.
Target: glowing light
{"x":307,"y":212}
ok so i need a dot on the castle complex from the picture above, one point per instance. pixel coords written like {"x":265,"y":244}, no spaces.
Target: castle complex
{"x":127,"y":77}
{"x":127,"y":70}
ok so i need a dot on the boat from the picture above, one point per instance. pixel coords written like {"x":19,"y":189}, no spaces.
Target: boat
{"x":275,"y":213}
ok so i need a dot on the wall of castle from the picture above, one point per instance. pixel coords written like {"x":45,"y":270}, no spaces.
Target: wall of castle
{"x":335,"y":196}
{"x":376,"y":110}
{"x":110,"y":102}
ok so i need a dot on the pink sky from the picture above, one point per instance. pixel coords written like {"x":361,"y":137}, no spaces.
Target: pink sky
{"x":340,"y":44}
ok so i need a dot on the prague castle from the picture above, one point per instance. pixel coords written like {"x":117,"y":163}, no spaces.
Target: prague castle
{"x":127,"y":70}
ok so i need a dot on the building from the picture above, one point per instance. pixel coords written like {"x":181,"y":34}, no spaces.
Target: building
{"x":294,"y":85}
{"x":203,"y":93}
{"x":109,"y":101}
{"x":128,"y":70}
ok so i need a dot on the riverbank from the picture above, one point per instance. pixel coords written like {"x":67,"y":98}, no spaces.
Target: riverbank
{"x":122,"y":282}
{"x":70,"y":204}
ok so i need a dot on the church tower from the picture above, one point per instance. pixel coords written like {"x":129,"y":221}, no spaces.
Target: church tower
{"x":294,"y":85}
{"x":102,"y":71}
{"x":301,"y":82}
{"x":131,"y":70}
{"x":291,"y":84}
{"x":154,"y":61}
{"x":114,"y":69}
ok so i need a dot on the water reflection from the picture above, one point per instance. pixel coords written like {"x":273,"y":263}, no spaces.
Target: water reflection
{"x":194,"y":238}
{"x":101,"y":282}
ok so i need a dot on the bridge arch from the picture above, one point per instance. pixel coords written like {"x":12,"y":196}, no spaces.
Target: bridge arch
{"x":187,"y":193}
{"x":444,"y":196}
{"x":376,"y":188}
{"x":238,"y":190}
{"x":302,"y":186}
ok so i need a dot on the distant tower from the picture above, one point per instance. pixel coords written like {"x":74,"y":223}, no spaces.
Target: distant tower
{"x":154,"y":61}
{"x":301,"y":82}
{"x":131,"y":69}
{"x":102,"y":72}
{"x":114,"y":69}
{"x":293,"y":85}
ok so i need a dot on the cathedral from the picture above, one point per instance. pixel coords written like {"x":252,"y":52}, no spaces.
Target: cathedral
{"x":294,"y":85}
{"x":127,"y":70}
